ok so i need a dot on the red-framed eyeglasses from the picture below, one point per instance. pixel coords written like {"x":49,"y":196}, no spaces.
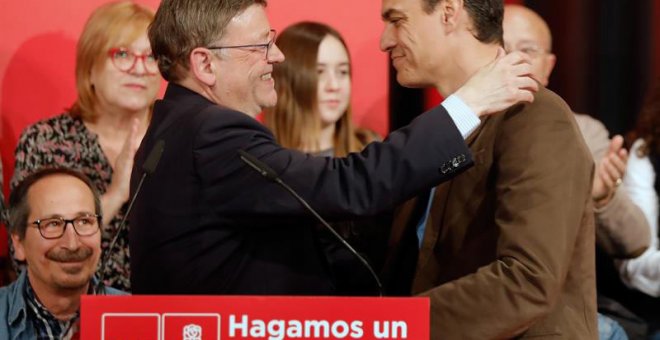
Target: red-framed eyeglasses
{"x":125,"y":60}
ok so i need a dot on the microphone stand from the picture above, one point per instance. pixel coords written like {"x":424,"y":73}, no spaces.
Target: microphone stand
{"x":148,"y":168}
{"x":269,"y":173}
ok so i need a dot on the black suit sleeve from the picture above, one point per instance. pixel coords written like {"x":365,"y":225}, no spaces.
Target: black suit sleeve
{"x":428,"y":151}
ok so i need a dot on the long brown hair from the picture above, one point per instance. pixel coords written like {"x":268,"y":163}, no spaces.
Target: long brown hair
{"x":648,"y":124}
{"x":295,"y":120}
{"x":102,"y":31}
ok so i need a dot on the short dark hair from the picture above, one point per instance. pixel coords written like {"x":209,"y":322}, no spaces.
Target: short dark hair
{"x":19,"y":209}
{"x":183,"y":25}
{"x":486,"y":15}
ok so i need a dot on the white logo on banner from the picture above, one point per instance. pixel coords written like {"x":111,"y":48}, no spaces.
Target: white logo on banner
{"x":192,"y":332}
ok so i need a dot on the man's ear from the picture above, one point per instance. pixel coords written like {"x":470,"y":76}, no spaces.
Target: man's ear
{"x":551,"y":59}
{"x":450,"y":10}
{"x":19,"y":251}
{"x":202,"y":66}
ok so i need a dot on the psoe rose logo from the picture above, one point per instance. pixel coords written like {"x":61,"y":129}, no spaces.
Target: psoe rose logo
{"x":192,"y":332}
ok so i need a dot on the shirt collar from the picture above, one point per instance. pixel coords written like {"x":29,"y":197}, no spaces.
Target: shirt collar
{"x":17,"y":306}
{"x":46,"y":324}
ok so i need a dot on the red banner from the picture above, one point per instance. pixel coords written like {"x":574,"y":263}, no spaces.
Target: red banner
{"x":253,"y":317}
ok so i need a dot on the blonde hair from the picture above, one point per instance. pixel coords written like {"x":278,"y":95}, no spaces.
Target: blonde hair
{"x":113,"y":24}
{"x":295,"y":120}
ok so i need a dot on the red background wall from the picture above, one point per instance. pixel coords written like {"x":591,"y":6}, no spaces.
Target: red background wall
{"x":37,"y":57}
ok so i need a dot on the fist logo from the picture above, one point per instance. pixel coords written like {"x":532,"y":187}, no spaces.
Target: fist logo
{"x":192,"y":332}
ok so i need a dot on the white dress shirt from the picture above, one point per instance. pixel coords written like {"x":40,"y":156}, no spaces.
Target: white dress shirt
{"x":466,"y":121}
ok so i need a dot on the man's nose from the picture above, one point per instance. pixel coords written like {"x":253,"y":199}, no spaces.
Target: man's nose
{"x":275,"y":55}
{"x":387,"y":41}
{"x":70,"y":238}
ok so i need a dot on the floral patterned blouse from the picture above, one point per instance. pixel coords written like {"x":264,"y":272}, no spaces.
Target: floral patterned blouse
{"x":65,"y":141}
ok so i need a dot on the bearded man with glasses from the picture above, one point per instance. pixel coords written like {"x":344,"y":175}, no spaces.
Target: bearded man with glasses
{"x":54,"y":222}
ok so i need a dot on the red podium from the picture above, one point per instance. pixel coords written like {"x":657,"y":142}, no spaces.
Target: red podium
{"x":253,"y":317}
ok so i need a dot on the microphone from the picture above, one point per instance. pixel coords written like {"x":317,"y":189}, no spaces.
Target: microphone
{"x":148,"y":168}
{"x":270,"y":174}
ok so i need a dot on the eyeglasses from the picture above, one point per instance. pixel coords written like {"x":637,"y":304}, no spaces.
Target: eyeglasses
{"x":272,"y":36}
{"x":53,"y":228}
{"x":125,"y":59}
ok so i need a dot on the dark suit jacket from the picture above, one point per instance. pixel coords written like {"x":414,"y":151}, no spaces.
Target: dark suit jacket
{"x":205,"y":223}
{"x":508,"y":248}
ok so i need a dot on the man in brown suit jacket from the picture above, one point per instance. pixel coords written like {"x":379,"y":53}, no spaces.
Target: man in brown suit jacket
{"x":507,"y":249}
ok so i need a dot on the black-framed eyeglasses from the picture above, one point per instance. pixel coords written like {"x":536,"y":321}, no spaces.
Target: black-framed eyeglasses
{"x":272,"y":36}
{"x":54,"y":227}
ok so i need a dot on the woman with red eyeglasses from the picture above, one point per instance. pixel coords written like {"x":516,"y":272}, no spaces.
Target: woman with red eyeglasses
{"x":117,"y":81}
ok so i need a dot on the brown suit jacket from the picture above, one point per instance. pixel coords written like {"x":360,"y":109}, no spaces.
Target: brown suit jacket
{"x":508,"y":249}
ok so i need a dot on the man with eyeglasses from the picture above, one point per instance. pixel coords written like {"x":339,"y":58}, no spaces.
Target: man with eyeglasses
{"x":54,"y":224}
{"x":622,"y":230}
{"x":205,"y":223}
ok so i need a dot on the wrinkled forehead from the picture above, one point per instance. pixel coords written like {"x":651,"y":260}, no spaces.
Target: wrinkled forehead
{"x":60,"y":195}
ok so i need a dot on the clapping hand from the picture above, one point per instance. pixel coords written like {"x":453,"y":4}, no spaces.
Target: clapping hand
{"x":609,"y":172}
{"x":120,"y":185}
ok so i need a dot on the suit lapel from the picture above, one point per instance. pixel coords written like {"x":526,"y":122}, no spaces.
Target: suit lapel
{"x":433,"y":223}
{"x":440,"y":219}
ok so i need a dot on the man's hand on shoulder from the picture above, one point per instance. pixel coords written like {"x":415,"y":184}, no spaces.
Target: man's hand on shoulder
{"x":499,"y":85}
